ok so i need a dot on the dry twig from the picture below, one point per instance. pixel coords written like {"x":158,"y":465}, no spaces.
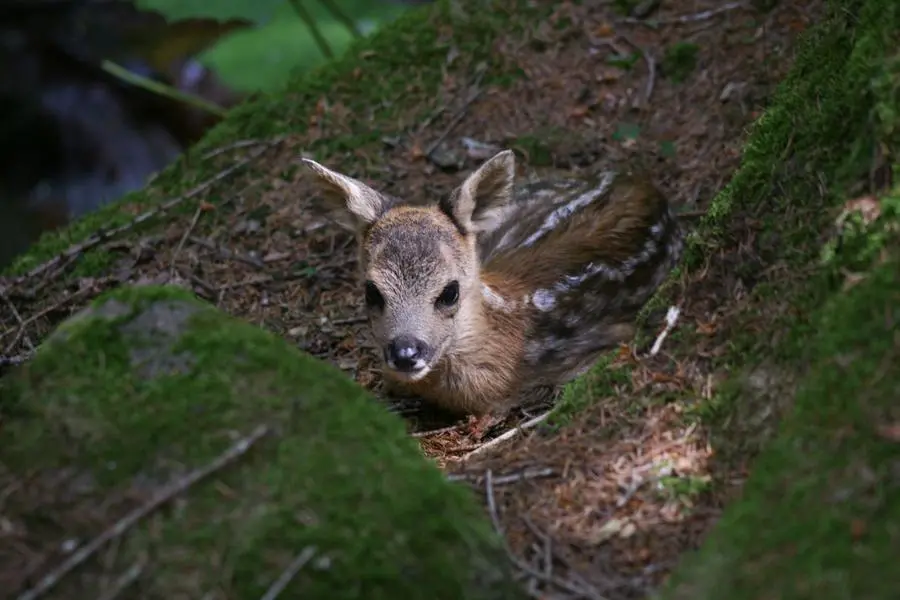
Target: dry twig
{"x":459,"y":116}
{"x":187,"y":233}
{"x":161,"y":497}
{"x":125,"y":580}
{"x":651,"y":66}
{"x":20,"y":332}
{"x":103,"y":235}
{"x":507,"y":435}
{"x":289,"y":573}
{"x":579,"y":592}
{"x":689,"y":18}
{"x":523,"y":475}
{"x":433,"y":432}
{"x":19,"y":320}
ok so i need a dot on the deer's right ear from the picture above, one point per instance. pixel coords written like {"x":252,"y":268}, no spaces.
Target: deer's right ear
{"x":364,"y":203}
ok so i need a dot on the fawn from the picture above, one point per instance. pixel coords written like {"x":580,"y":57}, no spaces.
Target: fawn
{"x":492,"y":293}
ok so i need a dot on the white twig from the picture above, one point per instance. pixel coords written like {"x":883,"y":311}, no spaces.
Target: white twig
{"x":690,"y":18}
{"x":706,"y":14}
{"x":124,"y":580}
{"x":161,"y":497}
{"x":289,"y":573}
{"x":507,"y":435}
{"x":432,"y":432}
{"x":504,"y":479}
{"x":671,"y":320}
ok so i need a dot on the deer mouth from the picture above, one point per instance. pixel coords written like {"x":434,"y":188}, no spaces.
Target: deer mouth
{"x":414,"y":371}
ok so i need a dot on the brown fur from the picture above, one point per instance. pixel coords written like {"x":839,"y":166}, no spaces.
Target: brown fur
{"x":591,"y":269}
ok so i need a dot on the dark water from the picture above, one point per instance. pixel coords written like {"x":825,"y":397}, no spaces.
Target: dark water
{"x":72,"y":136}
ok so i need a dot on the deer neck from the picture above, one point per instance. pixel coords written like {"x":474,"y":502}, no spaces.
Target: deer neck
{"x":494,"y":328}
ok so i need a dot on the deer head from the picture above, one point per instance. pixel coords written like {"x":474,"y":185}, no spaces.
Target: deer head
{"x":420,"y":264}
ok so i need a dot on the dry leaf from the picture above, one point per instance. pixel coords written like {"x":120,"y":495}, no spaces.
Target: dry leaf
{"x":604,"y":30}
{"x":851,"y":279}
{"x":579,"y":111}
{"x":610,"y":529}
{"x":857,"y":528}
{"x":868,"y":208}
{"x":890,"y":432}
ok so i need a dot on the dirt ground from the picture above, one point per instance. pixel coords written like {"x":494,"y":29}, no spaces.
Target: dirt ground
{"x":591,"y":510}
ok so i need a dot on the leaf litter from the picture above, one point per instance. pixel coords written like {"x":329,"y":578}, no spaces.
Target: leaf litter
{"x":604,"y":506}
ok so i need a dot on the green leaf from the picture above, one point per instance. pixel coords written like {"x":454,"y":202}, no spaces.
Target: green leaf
{"x":667,"y":149}
{"x":258,"y":11}
{"x":626,"y":131}
{"x":623,"y":61}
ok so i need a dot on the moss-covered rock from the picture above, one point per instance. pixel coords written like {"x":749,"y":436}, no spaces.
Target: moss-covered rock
{"x":148,"y":384}
{"x":820,"y":513}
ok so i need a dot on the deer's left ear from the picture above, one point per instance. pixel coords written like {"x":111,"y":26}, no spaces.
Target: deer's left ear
{"x":479,"y":204}
{"x":352,"y":195}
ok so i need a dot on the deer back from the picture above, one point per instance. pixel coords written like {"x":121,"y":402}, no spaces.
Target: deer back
{"x":588,"y":254}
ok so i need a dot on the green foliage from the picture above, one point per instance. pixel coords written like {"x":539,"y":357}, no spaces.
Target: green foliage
{"x":820,"y":514}
{"x":680,"y":60}
{"x":257,"y":11}
{"x":263,"y":57}
{"x":626,"y":131}
{"x":623,"y":61}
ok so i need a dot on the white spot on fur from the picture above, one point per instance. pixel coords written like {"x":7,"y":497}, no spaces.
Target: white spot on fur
{"x":553,"y":220}
{"x":543,"y":300}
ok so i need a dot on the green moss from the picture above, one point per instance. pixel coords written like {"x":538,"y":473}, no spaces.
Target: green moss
{"x":820,"y":516}
{"x":380,"y":79}
{"x":338,"y":473}
{"x":602,"y":380}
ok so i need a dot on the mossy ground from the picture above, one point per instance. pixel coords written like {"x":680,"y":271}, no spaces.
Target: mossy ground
{"x":337,"y":473}
{"x":645,"y":451}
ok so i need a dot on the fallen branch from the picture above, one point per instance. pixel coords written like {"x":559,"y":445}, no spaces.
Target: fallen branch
{"x":433,"y":432}
{"x":289,"y":573}
{"x":125,"y":580}
{"x":161,"y":497}
{"x":523,"y":475}
{"x":104,"y":235}
{"x":507,"y":435}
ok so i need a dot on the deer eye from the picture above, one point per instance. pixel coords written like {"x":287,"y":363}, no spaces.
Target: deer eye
{"x":449,"y":295}
{"x":374,"y":299}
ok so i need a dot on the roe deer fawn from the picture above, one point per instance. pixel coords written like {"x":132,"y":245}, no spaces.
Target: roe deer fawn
{"x":492,"y":293}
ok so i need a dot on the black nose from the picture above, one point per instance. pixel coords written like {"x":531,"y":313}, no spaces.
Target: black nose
{"x":406,"y":353}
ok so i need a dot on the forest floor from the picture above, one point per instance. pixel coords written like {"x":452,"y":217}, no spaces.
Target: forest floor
{"x":600,"y":502}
